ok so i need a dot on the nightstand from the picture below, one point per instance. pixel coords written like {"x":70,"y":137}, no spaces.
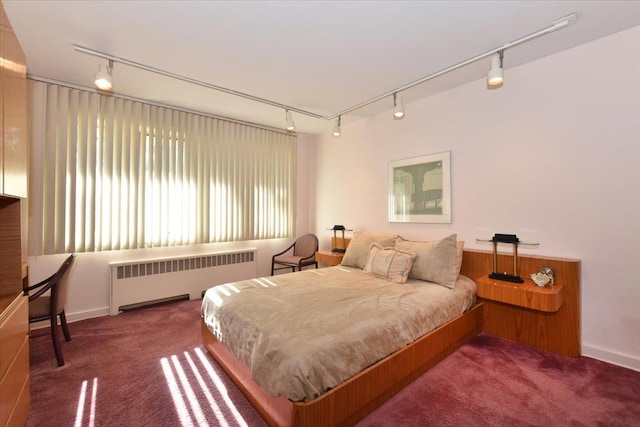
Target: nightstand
{"x":526,"y":295}
{"x":543,"y":317}
{"x":329,"y":258}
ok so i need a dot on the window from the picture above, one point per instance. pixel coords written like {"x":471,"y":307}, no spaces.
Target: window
{"x":120,"y":174}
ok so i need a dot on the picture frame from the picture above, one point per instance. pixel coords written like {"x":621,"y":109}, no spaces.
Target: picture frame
{"x":420,"y":189}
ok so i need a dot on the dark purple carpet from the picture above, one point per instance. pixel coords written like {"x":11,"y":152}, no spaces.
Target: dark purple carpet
{"x":148,"y":368}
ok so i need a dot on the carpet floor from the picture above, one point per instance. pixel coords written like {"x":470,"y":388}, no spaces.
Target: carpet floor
{"x":149,"y":368}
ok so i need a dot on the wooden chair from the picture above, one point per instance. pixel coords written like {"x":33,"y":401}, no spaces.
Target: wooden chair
{"x":304,"y":253}
{"x":49,"y":307}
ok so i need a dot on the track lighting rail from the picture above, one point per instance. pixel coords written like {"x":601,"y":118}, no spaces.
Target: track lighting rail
{"x":557,"y":25}
{"x":165,"y":73}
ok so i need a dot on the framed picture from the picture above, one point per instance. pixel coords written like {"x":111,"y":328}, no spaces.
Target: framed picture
{"x":420,"y":189}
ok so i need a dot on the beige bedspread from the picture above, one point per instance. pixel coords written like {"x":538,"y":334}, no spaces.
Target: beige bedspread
{"x":303,"y":333}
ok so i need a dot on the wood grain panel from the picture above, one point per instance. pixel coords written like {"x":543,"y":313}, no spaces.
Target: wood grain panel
{"x":13,"y":85}
{"x":10,"y":247}
{"x":527,"y":294}
{"x":14,"y":327}
{"x":12,"y":384}
{"x":18,"y":418}
{"x":329,"y":258}
{"x":558,"y":332}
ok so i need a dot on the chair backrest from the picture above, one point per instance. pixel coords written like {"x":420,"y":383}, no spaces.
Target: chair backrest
{"x":60,"y":285}
{"x":306,"y":245}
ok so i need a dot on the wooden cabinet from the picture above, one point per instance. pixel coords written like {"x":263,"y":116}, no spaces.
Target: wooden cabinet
{"x":14,"y":307}
{"x":14,"y":360}
{"x":13,"y":112}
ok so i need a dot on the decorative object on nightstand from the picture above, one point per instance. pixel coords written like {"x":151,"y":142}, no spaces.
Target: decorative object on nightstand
{"x":513,"y":240}
{"x":544,"y":276}
{"x":338,"y":248}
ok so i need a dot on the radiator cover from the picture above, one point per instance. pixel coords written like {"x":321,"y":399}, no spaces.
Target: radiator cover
{"x":140,"y":281}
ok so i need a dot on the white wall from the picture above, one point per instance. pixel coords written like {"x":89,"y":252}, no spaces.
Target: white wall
{"x":553,"y":156}
{"x":89,"y":277}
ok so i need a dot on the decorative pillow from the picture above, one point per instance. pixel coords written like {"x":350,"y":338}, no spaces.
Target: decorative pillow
{"x":389,"y":263}
{"x":435,"y":261}
{"x":358,"y":249}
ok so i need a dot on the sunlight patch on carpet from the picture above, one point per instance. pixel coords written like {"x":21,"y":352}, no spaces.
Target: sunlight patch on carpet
{"x":220,"y":386}
{"x":198,"y":393}
{"x":81,"y":403}
{"x":207,"y":393}
{"x":189,"y":393}
{"x":176,"y":394}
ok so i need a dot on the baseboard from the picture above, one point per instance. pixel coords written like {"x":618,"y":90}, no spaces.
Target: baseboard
{"x":87,"y":314}
{"x":624,"y":360}
{"x":74,"y":317}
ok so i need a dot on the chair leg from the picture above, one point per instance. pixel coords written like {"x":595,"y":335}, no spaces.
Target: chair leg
{"x":65,"y":328}
{"x":272,"y":265}
{"x":56,"y":340}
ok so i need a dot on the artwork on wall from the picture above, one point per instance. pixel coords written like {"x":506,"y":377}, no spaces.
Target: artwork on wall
{"x":420,"y":189}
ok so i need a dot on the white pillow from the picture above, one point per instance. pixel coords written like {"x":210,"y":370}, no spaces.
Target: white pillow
{"x":389,"y":263}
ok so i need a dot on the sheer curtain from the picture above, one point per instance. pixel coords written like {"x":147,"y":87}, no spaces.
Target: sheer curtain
{"x":110,"y":173}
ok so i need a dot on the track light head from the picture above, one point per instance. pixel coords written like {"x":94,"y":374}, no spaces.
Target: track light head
{"x":291,"y":125}
{"x":336,"y":130}
{"x":398,"y":108}
{"x":102,"y":78}
{"x":496,"y":72}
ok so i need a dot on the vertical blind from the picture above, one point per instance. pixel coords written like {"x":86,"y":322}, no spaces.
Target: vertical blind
{"x":110,"y":173}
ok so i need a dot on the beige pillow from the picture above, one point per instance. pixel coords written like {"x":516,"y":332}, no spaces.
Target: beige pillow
{"x":435,"y":261}
{"x":358,"y":249}
{"x":389,"y":263}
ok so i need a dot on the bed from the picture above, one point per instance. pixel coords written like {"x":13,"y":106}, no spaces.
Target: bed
{"x":327,"y":346}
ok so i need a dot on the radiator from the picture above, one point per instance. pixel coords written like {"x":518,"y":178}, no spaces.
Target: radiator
{"x":143,"y":282}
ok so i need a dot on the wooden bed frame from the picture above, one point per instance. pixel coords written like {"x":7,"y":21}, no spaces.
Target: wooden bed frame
{"x":361,"y":394}
{"x":352,"y":400}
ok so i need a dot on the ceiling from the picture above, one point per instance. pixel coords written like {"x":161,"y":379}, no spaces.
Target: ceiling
{"x":319,"y":56}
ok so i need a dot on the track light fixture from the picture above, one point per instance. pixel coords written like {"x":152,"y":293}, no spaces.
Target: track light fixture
{"x":291,"y":125}
{"x":398,"y":108}
{"x":496,"y":72}
{"x":494,"y":78}
{"x":102,"y":78}
{"x":336,"y":130}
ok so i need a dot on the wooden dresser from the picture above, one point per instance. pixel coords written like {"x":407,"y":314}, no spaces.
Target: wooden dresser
{"x":14,"y":306}
{"x":14,"y":360}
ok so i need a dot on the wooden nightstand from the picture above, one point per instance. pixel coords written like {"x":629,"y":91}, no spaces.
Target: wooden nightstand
{"x":546,"y":318}
{"x":329,"y":258}
{"x":527,"y":294}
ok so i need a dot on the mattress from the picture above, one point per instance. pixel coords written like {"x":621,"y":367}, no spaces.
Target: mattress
{"x":301,"y":334}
